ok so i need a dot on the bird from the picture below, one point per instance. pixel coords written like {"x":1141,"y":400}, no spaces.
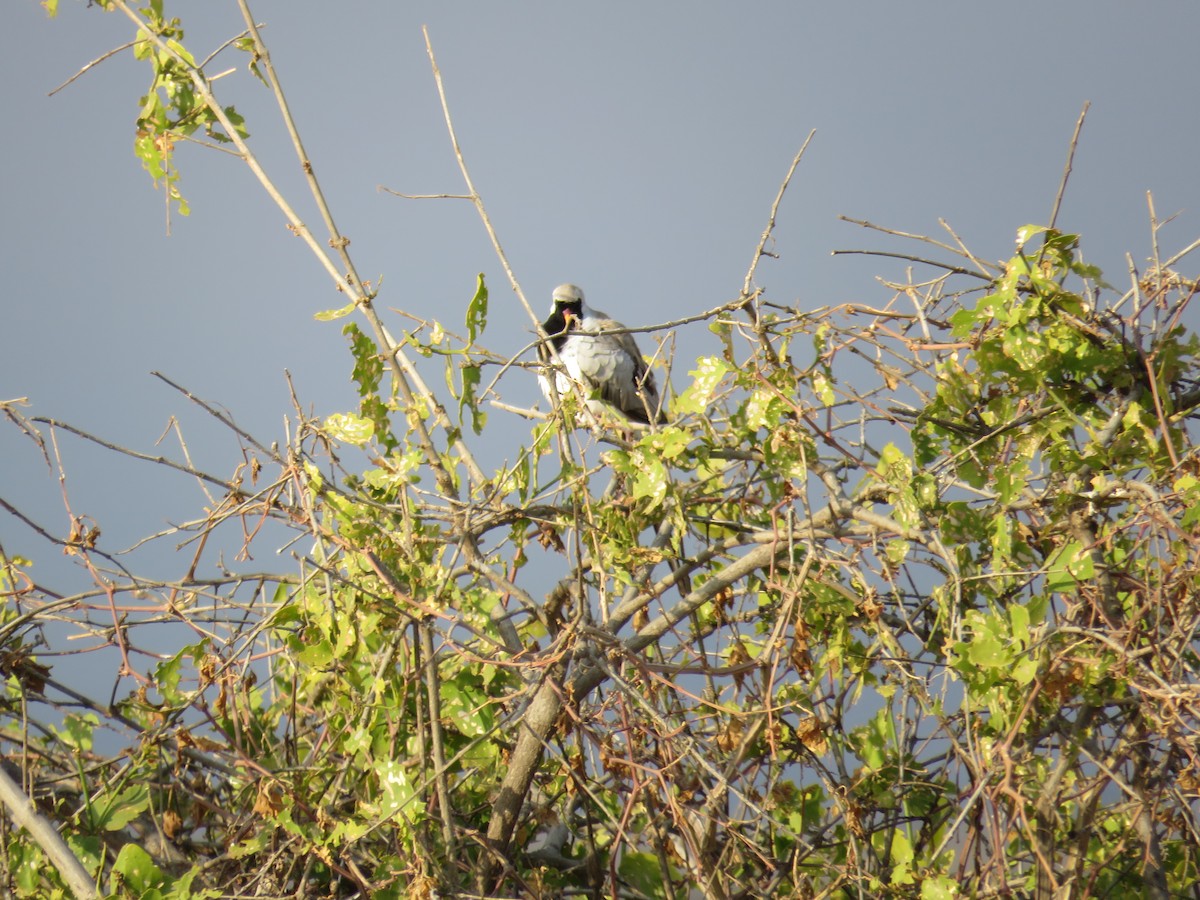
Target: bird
{"x":608,"y":368}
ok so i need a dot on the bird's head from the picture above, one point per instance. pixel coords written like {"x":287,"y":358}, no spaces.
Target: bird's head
{"x":568,"y":303}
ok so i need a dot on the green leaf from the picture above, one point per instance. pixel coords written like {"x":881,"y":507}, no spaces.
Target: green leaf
{"x":1067,"y":566}
{"x":182,"y":888}
{"x":1027,"y":232}
{"x":902,"y":856}
{"x":317,"y":655}
{"x":89,"y":849}
{"x":395,"y":789}
{"x":894,"y":466}
{"x":181,"y":51}
{"x":650,"y":476}
{"x":1025,"y":671}
{"x":470,"y":374}
{"x":112,"y":813}
{"x":1019,"y":617}
{"x":329,"y":315}
{"x":142,"y":48}
{"x":823,"y":388}
{"x":876,"y":739}
{"x":643,"y":872}
{"x":477,"y":310}
{"x":987,"y":651}
{"x":963,"y":322}
{"x":76,"y":730}
{"x":897,"y":551}
{"x":237,"y":121}
{"x":467,"y":709}
{"x":137,"y":871}
{"x":25,"y":864}
{"x":940,"y":887}
{"x":167,"y":675}
{"x":256,"y":843}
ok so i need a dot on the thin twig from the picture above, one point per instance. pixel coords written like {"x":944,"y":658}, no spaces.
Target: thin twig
{"x":336,"y":240}
{"x":204,"y":92}
{"x":474,"y":196}
{"x":1181,"y":254}
{"x":145,"y":457}
{"x":237,"y":37}
{"x":923,"y":238}
{"x":965,"y":250}
{"x":94,"y":62}
{"x":403,"y":370}
{"x":388,"y":190}
{"x":221,"y":416}
{"x":958,"y":270}
{"x":766,"y":235}
{"x":1154,"y":226}
{"x":1062,"y":185}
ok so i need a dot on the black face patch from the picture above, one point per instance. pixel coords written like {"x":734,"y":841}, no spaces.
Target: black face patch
{"x":556,"y":324}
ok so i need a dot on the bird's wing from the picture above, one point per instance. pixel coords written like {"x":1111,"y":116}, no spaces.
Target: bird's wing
{"x":612,"y":365}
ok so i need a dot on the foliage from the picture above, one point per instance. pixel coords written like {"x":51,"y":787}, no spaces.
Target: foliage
{"x":902,"y":602}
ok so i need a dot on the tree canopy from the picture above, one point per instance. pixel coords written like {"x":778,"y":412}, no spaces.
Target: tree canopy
{"x":901,"y":601}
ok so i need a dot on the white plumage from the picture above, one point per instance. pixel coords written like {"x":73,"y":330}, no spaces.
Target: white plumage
{"x":607,"y":368}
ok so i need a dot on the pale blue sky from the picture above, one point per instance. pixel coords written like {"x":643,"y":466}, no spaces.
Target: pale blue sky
{"x":633,"y":148}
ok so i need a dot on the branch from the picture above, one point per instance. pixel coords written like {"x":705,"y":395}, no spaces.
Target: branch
{"x":402,"y":368}
{"x":25,"y":814}
{"x":1062,"y":185}
{"x":145,"y":457}
{"x":766,"y":235}
{"x":473,"y":196}
{"x":94,"y":62}
{"x":204,"y":91}
{"x":535,"y":727}
{"x":957,"y":270}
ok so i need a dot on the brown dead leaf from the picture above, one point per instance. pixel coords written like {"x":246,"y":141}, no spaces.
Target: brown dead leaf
{"x":730,"y":736}
{"x":549,"y":538}
{"x":871,"y":607}
{"x":171,"y":823}
{"x":30,"y":674}
{"x":812,"y":735}
{"x":269,"y":800}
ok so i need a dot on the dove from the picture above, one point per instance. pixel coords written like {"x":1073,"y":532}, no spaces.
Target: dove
{"x":608,"y":368}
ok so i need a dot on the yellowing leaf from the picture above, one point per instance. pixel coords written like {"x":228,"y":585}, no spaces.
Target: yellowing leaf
{"x":329,"y":315}
{"x":348,"y":428}
{"x":823,"y":388}
{"x":708,"y":373}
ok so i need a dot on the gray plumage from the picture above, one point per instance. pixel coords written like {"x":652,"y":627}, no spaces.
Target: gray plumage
{"x":608,"y":368}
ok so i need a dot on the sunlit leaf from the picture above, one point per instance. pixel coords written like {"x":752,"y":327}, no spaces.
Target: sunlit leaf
{"x":329,"y":315}
{"x":348,"y":428}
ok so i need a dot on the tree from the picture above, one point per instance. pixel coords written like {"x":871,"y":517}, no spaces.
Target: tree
{"x":901,"y":602}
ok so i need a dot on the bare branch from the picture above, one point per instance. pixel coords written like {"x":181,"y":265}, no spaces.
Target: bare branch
{"x":94,"y":62}
{"x":26,"y":816}
{"x":1062,"y":185}
{"x":748,"y":284}
{"x":473,"y":194}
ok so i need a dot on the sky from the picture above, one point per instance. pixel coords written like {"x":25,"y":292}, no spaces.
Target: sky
{"x":631,"y":148}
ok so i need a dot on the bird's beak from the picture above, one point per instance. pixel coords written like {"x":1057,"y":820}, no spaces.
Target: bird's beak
{"x":568,"y":318}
